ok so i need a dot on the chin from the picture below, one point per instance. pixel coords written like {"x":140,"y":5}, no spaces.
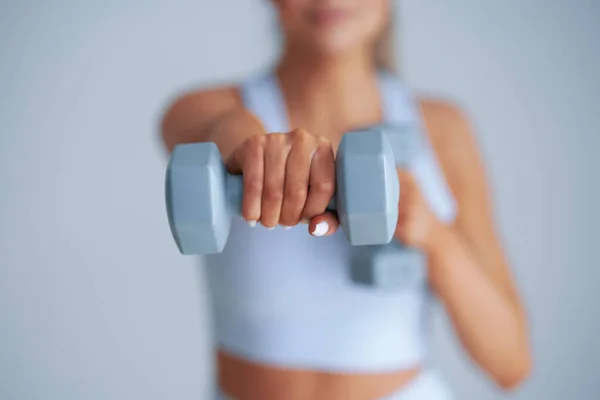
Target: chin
{"x":335,"y":45}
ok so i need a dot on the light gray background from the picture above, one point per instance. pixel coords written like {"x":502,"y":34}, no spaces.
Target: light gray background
{"x":95,"y":301}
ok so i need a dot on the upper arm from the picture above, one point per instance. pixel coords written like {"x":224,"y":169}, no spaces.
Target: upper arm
{"x":457,"y":150}
{"x":190,"y":115}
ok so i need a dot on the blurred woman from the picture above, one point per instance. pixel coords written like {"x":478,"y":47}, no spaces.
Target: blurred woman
{"x":289,"y":324}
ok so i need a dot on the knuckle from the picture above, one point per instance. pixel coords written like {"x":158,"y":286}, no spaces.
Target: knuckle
{"x":324,"y":142}
{"x":253,"y":187}
{"x":299,"y":132}
{"x":275,"y":138}
{"x":257,"y":141}
{"x":324,"y":147}
{"x":301,"y":135}
{"x":276,"y":142}
{"x":296,"y":192}
{"x":253,"y":147}
{"x":324,"y":154}
{"x":273,"y":192}
{"x":324,"y":187}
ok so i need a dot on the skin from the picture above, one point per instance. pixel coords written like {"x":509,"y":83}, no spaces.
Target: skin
{"x":289,"y":179}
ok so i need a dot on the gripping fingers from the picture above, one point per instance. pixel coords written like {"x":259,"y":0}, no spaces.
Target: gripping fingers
{"x":251,"y":159}
{"x":297,"y":180}
{"x":322,"y":180}
{"x":275,"y":159}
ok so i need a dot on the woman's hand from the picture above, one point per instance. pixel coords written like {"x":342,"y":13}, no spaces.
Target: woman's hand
{"x":289,"y":178}
{"x":417,"y":224}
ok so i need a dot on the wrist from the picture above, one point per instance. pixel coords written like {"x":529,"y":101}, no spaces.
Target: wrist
{"x":437,"y":239}
{"x":438,"y":248}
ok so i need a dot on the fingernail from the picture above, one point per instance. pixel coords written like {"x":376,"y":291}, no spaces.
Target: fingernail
{"x":251,"y":224}
{"x":286,"y":228}
{"x":305,"y":221}
{"x":321,"y":228}
{"x":271,"y":228}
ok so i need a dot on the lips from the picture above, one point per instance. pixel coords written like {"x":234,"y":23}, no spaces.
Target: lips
{"x":326,"y":16}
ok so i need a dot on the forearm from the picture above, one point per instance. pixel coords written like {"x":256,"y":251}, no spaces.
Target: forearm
{"x":231,"y":130}
{"x":227,"y":128}
{"x":486,"y":318}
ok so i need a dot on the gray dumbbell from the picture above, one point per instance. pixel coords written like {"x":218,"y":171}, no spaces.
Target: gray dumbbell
{"x":390,"y":266}
{"x":201,"y":197}
{"x":393,"y":265}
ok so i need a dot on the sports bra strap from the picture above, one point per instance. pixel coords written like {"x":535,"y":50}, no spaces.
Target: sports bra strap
{"x":262,"y":97}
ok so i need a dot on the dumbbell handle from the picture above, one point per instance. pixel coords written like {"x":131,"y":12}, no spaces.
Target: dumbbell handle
{"x":235,"y":190}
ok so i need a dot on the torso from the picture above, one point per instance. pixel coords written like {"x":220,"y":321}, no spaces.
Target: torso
{"x":288,"y":323}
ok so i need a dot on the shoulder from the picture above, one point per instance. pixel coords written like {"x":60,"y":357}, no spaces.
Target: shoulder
{"x":193,"y":111}
{"x":207,"y":102}
{"x":453,"y":140}
{"x":448,"y":126}
{"x":217,"y":99}
{"x":446,"y":121}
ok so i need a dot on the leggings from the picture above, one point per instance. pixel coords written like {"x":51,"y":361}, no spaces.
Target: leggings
{"x":428,"y":385}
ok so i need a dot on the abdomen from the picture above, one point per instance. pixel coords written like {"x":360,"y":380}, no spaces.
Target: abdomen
{"x":284,"y":298}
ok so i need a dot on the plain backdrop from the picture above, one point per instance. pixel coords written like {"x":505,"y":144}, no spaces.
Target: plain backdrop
{"x":95,"y":300}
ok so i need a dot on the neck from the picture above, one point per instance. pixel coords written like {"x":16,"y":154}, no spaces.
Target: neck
{"x":341,"y":90}
{"x":304,"y":69}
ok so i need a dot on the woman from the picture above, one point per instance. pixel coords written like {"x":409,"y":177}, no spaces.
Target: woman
{"x":289,"y":324}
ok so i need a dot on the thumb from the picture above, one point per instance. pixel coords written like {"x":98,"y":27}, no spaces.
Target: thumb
{"x":323,"y":225}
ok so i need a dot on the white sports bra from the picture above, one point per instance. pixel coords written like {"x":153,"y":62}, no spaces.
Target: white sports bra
{"x":284,"y":298}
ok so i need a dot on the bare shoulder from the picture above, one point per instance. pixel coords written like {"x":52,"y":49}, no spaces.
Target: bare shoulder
{"x":446,"y":122}
{"x":191,"y":111}
{"x":212,"y":99}
{"x":453,"y":140}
